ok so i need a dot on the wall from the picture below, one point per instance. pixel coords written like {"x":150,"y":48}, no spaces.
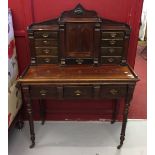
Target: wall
{"x":142,"y":32}
{"x":26,"y":12}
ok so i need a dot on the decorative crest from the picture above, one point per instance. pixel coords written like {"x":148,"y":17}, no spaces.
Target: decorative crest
{"x":79,"y":10}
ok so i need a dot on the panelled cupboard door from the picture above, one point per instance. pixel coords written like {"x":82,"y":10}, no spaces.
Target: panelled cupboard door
{"x":79,"y":39}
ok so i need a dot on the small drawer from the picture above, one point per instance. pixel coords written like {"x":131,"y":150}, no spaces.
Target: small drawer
{"x":111,"y":51}
{"x":45,"y":42}
{"x":78,"y":92}
{"x":45,"y":34}
{"x":111,"y":42}
{"x":47,"y":60}
{"x":113,"y":91}
{"x":78,"y":61}
{"x":53,"y":51}
{"x":44,"y":91}
{"x":110,"y":60}
{"x":112,"y":35}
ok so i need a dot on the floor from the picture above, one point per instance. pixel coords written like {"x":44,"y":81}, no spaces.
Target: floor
{"x":79,"y":138}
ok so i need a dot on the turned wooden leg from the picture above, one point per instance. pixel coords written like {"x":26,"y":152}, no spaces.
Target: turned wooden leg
{"x":29,"y":112}
{"x":114,"y":114}
{"x":125,"y":114}
{"x":20,"y":122}
{"x":42,"y":111}
{"x":31,"y":124}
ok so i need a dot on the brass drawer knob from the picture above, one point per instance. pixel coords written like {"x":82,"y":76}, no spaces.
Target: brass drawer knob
{"x":45,"y":42}
{"x":110,"y":59}
{"x":112,"y":42}
{"x":46,"y":51}
{"x":47,"y":60}
{"x":79,"y":61}
{"x":43,"y":92}
{"x":111,"y":50}
{"x":113,"y":35}
{"x":77,"y":92}
{"x":114,"y":91}
{"x":45,"y":35}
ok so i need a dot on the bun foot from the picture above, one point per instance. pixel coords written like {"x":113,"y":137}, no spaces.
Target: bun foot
{"x":32,"y":145}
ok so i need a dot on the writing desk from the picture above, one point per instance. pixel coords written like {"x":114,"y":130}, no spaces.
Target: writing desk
{"x":76,"y":57}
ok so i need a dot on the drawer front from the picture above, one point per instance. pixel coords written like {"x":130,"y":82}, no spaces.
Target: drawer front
{"x":44,"y":91}
{"x":46,"y":34}
{"x":111,"y":51}
{"x":113,"y":91}
{"x":111,"y":42}
{"x":53,"y":51}
{"x":110,"y":60}
{"x":46,"y":42}
{"x":79,"y":61}
{"x":47,"y":60}
{"x":113,"y":35}
{"x":78,"y":92}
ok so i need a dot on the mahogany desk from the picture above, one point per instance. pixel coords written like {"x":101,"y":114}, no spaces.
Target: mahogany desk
{"x":78,"y":56}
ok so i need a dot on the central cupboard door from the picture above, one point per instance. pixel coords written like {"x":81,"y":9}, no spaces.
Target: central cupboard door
{"x":79,"y":40}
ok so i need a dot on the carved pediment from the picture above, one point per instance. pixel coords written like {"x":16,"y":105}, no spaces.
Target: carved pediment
{"x":79,"y":14}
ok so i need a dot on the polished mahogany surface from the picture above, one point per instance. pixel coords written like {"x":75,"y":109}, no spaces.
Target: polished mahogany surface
{"x":72,"y":73}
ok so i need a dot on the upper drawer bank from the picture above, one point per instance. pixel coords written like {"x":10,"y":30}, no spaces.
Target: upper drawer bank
{"x":113,"y":44}
{"x":44,"y":46}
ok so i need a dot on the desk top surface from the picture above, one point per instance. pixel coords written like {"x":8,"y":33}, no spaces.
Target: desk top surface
{"x":80,"y":73}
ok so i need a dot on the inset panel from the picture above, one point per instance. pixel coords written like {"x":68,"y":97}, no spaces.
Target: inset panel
{"x":79,"y":40}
